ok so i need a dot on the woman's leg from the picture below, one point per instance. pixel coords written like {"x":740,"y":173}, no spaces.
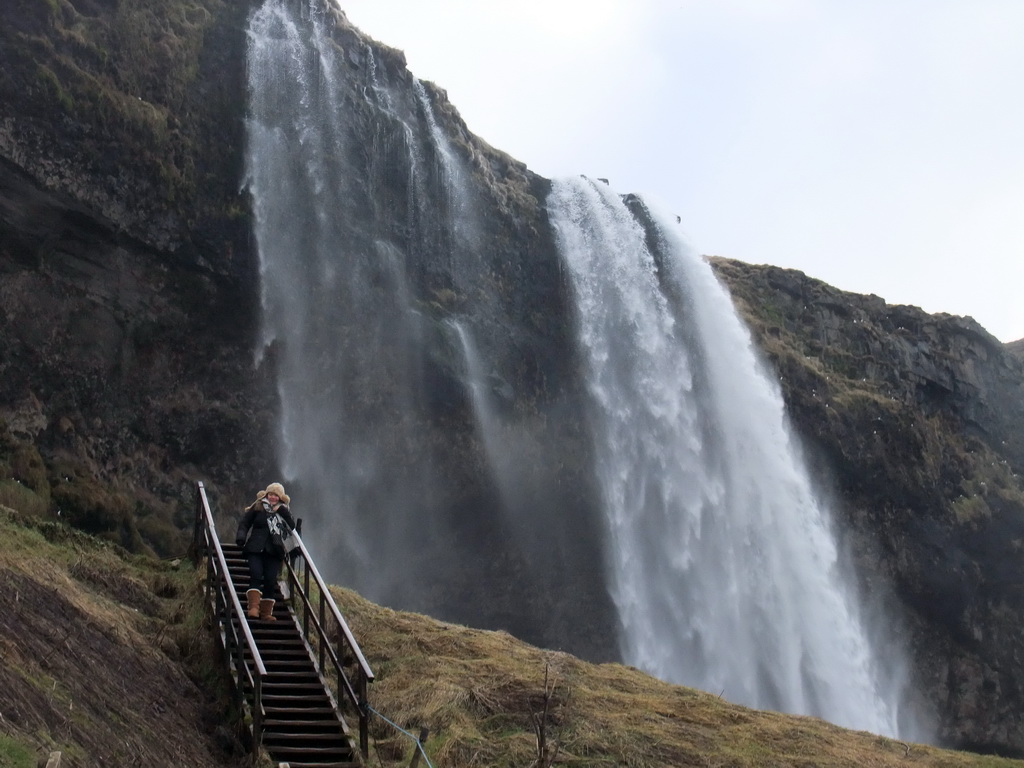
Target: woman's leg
{"x":256,"y":571}
{"x":253,"y":594}
{"x":271,"y":567}
{"x":271,"y":571}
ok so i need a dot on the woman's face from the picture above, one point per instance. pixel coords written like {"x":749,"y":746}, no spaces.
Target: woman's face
{"x":273,"y":498}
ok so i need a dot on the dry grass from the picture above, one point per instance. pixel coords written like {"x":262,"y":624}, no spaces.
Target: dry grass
{"x":100,"y":651}
{"x":477,"y":691}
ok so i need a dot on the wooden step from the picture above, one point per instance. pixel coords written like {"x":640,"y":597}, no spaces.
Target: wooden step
{"x":288,"y":701}
{"x":281,"y":654}
{"x":307,"y":724}
{"x":293,"y":739}
{"x":305,"y":690}
{"x":303,"y":682}
{"x":299,"y":713}
{"x":286,"y":754}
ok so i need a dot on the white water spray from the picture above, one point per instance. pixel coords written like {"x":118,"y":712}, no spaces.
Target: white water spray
{"x":337,"y":311}
{"x":721,"y":559}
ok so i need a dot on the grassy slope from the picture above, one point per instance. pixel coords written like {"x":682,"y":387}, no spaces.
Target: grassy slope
{"x":478,"y":691}
{"x":101,"y":650}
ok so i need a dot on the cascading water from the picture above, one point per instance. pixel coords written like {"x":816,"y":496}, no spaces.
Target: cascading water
{"x":376,"y":267}
{"x":338,"y":309}
{"x":430,"y":398}
{"x":720,"y":556}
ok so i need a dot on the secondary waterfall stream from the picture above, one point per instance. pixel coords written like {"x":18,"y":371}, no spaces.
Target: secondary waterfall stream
{"x":386,"y":322}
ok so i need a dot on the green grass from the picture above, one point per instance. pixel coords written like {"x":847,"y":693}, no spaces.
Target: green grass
{"x":15,"y":754}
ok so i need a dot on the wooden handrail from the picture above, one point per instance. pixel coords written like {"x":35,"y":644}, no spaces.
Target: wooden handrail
{"x":355,"y":693}
{"x":206,"y":542}
{"x":333,"y":607}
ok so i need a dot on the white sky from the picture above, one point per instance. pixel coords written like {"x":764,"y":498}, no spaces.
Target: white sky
{"x":875,"y":144}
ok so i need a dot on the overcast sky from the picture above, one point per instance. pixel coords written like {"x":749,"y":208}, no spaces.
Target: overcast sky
{"x":877,"y":145}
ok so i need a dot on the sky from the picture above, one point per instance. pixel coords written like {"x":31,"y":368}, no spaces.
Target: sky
{"x":877,"y":145}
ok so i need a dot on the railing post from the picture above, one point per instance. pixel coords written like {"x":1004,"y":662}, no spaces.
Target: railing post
{"x":257,"y":713}
{"x":364,"y":715}
{"x":197,"y":526}
{"x":424,"y":732}
{"x":323,"y":640}
{"x":306,"y":605}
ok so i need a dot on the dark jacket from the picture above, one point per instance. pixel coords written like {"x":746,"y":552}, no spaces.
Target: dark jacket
{"x":254,"y":526}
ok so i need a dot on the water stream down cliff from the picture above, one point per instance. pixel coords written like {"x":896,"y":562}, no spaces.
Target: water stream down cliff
{"x":445,"y":464}
{"x":720,"y":557}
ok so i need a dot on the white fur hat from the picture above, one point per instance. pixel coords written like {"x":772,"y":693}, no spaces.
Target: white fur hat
{"x":275,"y":488}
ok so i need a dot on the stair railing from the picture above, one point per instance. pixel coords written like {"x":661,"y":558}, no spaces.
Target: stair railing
{"x":324,"y":620}
{"x":221,"y":598}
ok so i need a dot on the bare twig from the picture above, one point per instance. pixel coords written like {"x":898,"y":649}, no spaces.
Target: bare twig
{"x":546,"y":753}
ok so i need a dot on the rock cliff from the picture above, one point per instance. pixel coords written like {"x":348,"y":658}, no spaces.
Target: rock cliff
{"x":131,"y":315}
{"x":916,"y":420}
{"x":128,"y":308}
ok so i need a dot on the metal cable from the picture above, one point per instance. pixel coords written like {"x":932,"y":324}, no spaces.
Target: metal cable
{"x":400,"y":728}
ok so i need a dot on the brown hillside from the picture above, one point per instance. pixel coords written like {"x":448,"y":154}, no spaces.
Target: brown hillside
{"x":480,"y":693}
{"x":97,"y":647}
{"x":102,"y":650}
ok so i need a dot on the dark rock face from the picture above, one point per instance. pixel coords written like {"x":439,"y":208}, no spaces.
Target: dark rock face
{"x":128,"y":305}
{"x":130,"y":315}
{"x":917,"y":418}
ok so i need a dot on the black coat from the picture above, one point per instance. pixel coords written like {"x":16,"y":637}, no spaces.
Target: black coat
{"x":253,"y":534}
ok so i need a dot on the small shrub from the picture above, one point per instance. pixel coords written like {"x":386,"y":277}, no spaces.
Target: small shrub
{"x":85,"y":503}
{"x":28,"y":467}
{"x":162,"y":535}
{"x":51,"y":84}
{"x":970,"y":509}
{"x":17,"y":496}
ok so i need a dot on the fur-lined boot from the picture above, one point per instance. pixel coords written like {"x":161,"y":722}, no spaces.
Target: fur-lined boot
{"x":253,"y":596}
{"x":267,"y":610}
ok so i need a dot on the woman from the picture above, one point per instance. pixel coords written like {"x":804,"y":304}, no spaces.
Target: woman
{"x":265,"y":556}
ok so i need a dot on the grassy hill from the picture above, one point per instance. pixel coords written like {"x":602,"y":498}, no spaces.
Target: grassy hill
{"x":482,"y":694}
{"x":106,"y":658}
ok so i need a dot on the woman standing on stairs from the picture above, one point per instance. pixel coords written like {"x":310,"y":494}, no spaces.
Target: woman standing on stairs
{"x":270,"y":510}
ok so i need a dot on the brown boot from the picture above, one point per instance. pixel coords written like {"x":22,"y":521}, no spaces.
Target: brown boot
{"x":267,"y":610}
{"x":253,"y":596}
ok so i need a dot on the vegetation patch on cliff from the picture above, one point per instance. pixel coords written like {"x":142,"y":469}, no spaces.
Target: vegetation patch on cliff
{"x":65,"y":489}
{"x":105,"y":100}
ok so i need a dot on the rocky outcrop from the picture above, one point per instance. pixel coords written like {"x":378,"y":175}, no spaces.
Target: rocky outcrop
{"x":128,"y":310}
{"x":916,"y":419}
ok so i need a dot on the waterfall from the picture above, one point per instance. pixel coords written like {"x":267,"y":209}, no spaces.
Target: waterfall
{"x":386,"y":315}
{"x":339,"y":315}
{"x":720,"y":556}
{"x":430,"y":425}
{"x":504,"y":446}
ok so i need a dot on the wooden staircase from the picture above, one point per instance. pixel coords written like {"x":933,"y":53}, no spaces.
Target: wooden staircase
{"x":301,"y":723}
{"x":279,"y":668}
